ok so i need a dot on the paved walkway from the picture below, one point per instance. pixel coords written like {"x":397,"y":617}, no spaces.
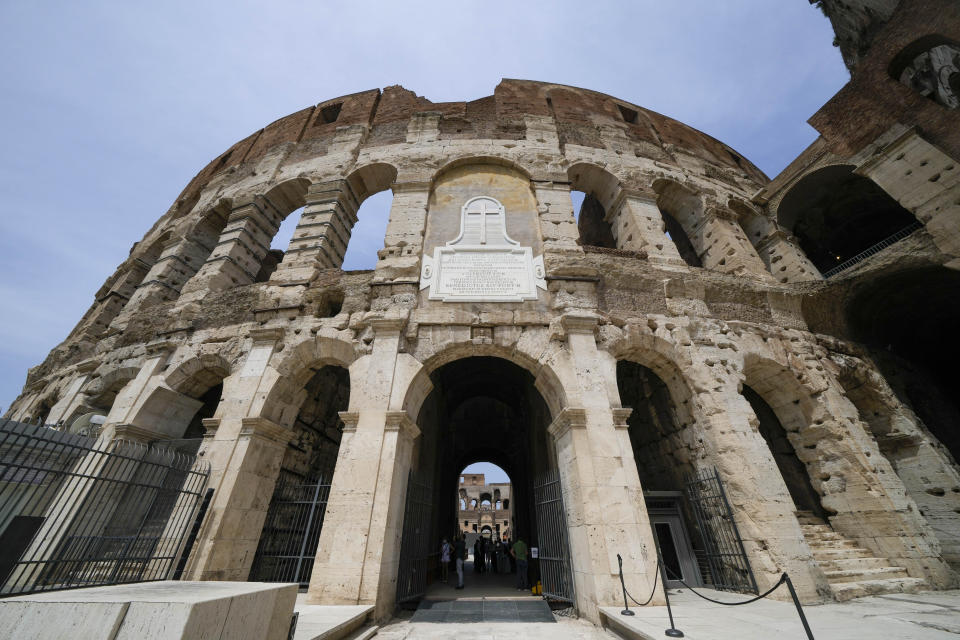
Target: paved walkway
{"x":932,"y":615}
{"x":478,"y":585}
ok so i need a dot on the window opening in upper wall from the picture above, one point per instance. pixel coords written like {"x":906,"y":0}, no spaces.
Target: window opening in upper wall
{"x":576,"y":197}
{"x":329,"y":114}
{"x":629,"y":115}
{"x":368,"y":233}
{"x":281,"y":239}
{"x":931,"y":67}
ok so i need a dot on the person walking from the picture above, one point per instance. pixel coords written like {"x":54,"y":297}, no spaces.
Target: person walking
{"x":519,"y":552}
{"x":460,"y":554}
{"x":492,"y":555}
{"x":445,"y":550}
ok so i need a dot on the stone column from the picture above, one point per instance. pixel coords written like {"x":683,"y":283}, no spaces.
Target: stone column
{"x":762,"y":507}
{"x":558,"y":227}
{"x":180,"y":261}
{"x":73,"y":400}
{"x":606,"y":513}
{"x":323,"y":232}
{"x":785,"y":261}
{"x":403,"y":243}
{"x":237,"y":258}
{"x":245,"y":453}
{"x":638,"y":226}
{"x":358,"y":553}
{"x":723,"y":246}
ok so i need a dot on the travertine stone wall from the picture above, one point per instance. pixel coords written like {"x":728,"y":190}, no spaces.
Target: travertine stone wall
{"x":186,"y":313}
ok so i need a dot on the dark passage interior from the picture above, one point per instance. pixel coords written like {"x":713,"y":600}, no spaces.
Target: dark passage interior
{"x":480,"y":409}
{"x":909,"y":321}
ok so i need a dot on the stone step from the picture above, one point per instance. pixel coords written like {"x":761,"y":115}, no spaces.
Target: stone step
{"x":861,"y":575}
{"x":827,"y":555}
{"x":847,"y":590}
{"x":853,"y":564}
{"x":833,"y":545}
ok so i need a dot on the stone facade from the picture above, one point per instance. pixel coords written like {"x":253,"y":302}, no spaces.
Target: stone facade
{"x":683,"y":327}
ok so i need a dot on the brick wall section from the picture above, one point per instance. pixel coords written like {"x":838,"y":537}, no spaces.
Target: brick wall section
{"x":872,"y":101}
{"x":580,"y":114}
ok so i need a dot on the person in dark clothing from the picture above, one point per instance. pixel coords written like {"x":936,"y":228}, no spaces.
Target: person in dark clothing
{"x":478,"y":556}
{"x":459,"y":554}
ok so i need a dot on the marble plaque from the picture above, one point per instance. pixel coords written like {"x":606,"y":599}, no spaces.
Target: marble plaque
{"x":482,"y":264}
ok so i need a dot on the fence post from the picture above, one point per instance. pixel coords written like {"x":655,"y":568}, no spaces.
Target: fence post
{"x":796,"y":603}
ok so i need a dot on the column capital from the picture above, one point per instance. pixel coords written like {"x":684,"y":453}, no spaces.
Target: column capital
{"x":87,"y":366}
{"x":264,"y":429}
{"x":133,"y":433}
{"x":211,"y":425}
{"x":160,"y":348}
{"x":568,"y":418}
{"x":620,"y":417}
{"x":583,"y":323}
{"x":410,"y":185}
{"x":270,"y":335}
{"x":350,"y":420}
{"x":387,"y":323}
{"x":400,"y":421}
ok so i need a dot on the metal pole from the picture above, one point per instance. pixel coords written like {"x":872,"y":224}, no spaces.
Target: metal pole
{"x":796,"y":602}
{"x":672,"y":632}
{"x":306,"y":533}
{"x":626,"y":608}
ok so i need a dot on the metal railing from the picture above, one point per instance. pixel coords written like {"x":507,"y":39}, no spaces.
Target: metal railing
{"x":291,"y":532}
{"x":877,"y":248}
{"x":79,"y":511}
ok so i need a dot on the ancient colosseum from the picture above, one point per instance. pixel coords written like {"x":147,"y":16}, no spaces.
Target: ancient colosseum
{"x":754,"y":372}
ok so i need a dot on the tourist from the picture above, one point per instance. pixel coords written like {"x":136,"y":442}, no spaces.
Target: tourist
{"x":519,"y":552}
{"x":478,"y":555}
{"x":460,"y":554}
{"x":445,"y":550}
{"x":492,"y":555}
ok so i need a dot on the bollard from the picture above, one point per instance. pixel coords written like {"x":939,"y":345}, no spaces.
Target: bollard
{"x":796,"y":603}
{"x":672,"y":632}
{"x":626,"y":608}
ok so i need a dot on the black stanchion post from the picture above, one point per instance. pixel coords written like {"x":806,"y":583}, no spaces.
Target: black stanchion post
{"x":626,"y":608}
{"x":672,"y":632}
{"x":796,"y":602}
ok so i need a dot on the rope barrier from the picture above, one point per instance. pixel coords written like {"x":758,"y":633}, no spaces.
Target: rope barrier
{"x":673,"y":632}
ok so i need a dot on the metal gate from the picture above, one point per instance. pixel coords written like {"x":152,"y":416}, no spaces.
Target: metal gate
{"x":729,"y":567}
{"x":288,"y":544}
{"x":78,"y":511}
{"x":553,"y":546}
{"x":418,"y":554}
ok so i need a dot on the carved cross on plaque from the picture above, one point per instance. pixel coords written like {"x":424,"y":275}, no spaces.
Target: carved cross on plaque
{"x":483,"y":264}
{"x":478,"y":211}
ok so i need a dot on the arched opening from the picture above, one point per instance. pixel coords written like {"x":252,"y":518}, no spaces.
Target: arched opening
{"x":926,"y":471}
{"x":908,"y":321}
{"x":658,"y":429}
{"x":681,"y":210}
{"x":366,"y":238}
{"x":596,"y":191}
{"x":479,"y":409}
{"x":793,"y":471}
{"x":931,"y":67}
{"x":837,"y":215}
{"x":199,"y":391}
{"x":291,"y":531}
{"x":485,"y":528}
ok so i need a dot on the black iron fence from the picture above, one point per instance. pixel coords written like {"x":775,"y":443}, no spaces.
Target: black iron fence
{"x":418,"y":555}
{"x":553,"y":546}
{"x":291,"y":532}
{"x":729,"y":568}
{"x":79,"y":511}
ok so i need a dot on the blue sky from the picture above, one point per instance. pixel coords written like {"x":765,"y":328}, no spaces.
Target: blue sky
{"x":111,"y":107}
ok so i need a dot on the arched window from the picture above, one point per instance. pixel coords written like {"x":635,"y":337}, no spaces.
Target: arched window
{"x":837,"y":215}
{"x":594,"y":190}
{"x":931,"y":67}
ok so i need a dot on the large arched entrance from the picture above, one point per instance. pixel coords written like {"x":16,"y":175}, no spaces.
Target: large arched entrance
{"x":482,"y":408}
